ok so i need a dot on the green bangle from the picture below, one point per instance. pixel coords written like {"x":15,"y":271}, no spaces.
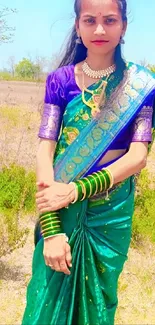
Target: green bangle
{"x":79,"y":189}
{"x":56,"y":229}
{"x":49,"y":226}
{"x":83,"y":190}
{"x":107,"y":178}
{"x":53,"y":233}
{"x":87,"y":186}
{"x":110,"y":176}
{"x":90,"y":186}
{"x":104,"y":181}
{"x":100,"y":182}
{"x":95,"y":188}
{"x":49,"y":217}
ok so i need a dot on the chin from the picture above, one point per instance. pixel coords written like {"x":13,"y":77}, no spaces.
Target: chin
{"x":102,"y":51}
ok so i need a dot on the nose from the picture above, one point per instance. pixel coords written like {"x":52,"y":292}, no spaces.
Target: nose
{"x":99,"y":30}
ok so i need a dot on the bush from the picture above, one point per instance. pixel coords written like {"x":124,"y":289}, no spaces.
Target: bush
{"x":17,"y":197}
{"x":144,"y":216}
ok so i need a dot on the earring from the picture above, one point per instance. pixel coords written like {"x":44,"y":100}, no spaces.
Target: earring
{"x":122,"y":40}
{"x":78,"y":40}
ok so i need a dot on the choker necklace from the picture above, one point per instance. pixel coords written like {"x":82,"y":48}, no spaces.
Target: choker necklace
{"x":97,"y":74}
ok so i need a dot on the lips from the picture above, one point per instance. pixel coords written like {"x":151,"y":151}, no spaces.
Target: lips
{"x":99,"y":42}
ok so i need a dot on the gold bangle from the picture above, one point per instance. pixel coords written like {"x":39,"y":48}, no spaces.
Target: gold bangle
{"x":76,"y":193}
{"x":101,"y":185}
{"x":104,"y":180}
{"x":84,"y":190}
{"x":110,"y":176}
{"x":95,"y":183}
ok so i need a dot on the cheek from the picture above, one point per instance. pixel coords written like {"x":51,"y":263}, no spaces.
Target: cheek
{"x":115,"y":34}
{"x":86,"y":33}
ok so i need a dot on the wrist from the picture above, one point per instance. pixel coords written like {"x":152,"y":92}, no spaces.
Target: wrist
{"x":62,"y":236}
{"x":72,"y":191}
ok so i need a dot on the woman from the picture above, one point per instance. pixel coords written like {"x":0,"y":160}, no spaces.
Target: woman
{"x":97,"y":114}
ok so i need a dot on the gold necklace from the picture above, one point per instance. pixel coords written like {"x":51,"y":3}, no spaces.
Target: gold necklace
{"x":98,"y":96}
{"x":97,"y":74}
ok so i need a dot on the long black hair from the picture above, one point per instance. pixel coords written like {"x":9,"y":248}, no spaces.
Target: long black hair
{"x":76,"y":53}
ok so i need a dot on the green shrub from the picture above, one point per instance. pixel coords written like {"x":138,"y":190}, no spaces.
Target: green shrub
{"x":17,"y":198}
{"x":144,"y":216}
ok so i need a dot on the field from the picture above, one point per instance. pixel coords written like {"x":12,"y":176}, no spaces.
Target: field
{"x":20,"y":105}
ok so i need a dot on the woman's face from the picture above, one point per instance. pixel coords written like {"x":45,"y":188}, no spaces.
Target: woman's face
{"x":100,"y":25}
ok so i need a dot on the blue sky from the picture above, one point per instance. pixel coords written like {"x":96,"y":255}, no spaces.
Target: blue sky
{"x":42,"y":26}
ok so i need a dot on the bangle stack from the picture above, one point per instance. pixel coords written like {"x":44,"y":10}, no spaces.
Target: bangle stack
{"x":50,"y":224}
{"x":91,"y":185}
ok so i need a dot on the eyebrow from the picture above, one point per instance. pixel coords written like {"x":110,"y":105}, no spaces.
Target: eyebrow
{"x":106,"y":16}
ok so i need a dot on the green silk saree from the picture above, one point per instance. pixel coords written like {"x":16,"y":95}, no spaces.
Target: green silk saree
{"x":99,"y":230}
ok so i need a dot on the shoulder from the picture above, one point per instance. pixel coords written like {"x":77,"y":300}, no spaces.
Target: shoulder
{"x":62,"y":74}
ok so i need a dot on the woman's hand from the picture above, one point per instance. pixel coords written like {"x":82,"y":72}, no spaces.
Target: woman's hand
{"x":57,"y":254}
{"x":54,"y":197}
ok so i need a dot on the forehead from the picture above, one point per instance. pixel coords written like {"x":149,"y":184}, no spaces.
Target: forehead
{"x":99,"y":7}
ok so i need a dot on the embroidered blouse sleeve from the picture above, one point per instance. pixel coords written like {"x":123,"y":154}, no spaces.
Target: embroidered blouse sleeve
{"x":142,"y":126}
{"x":54,"y":105}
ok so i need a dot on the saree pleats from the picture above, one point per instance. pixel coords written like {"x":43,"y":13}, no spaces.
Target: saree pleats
{"x":99,"y":239}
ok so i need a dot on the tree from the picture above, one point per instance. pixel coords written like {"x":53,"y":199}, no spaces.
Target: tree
{"x":26,"y":69}
{"x":6,"y":31}
{"x":11,"y":64}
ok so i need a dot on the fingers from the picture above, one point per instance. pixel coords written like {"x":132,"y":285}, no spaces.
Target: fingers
{"x":40,"y":194}
{"x":59,"y":265}
{"x":68,"y":256}
{"x":41,"y":200}
{"x":63,"y":267}
{"x":45,"y":205}
{"x":47,"y":209}
{"x":60,"y":262}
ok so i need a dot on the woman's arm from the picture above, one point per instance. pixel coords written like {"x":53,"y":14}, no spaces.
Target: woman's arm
{"x":45,"y":155}
{"x":56,"y":252}
{"x":131,"y":163}
{"x":59,"y":195}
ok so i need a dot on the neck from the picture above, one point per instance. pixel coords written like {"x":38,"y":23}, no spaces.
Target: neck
{"x":100,"y":62}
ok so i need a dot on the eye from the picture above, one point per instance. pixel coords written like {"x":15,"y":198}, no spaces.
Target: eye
{"x":89,"y":21}
{"x":110,"y":21}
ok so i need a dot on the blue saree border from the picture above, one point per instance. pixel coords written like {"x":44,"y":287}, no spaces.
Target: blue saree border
{"x":121,"y":108}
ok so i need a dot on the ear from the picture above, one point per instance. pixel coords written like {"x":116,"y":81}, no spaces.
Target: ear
{"x":77,"y":26}
{"x":124,"y":28}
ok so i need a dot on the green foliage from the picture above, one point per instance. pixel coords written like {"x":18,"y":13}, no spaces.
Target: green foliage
{"x":4,"y":75}
{"x":17,"y":188}
{"x":17,"y":197}
{"x":26,"y":69}
{"x":144,"y":217}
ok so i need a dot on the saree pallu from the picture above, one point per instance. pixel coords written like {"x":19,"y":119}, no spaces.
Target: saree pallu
{"x":99,"y":231}
{"x":99,"y":238}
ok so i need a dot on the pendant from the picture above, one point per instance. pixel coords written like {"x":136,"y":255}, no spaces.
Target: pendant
{"x":98,"y":98}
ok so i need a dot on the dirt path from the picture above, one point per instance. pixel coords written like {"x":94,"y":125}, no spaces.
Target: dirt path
{"x":15,"y":93}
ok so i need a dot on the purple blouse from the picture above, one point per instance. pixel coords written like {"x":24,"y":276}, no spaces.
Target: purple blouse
{"x":61,"y":88}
